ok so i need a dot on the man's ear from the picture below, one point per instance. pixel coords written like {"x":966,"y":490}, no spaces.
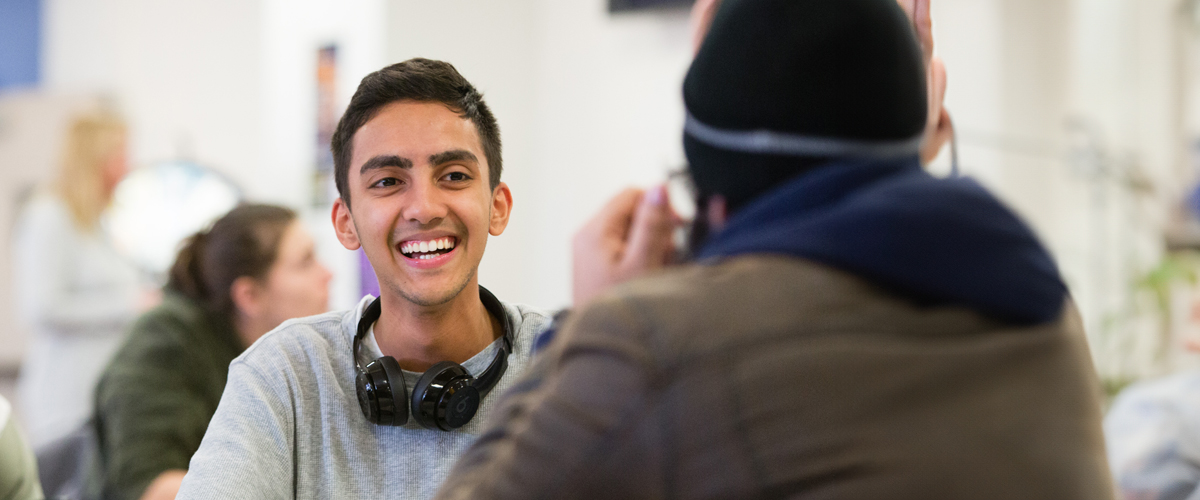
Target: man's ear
{"x":343,"y":225}
{"x":501,"y":208}
{"x":938,"y":128}
{"x":244,"y":292}
{"x":717,"y":212}
{"x":703,"y":12}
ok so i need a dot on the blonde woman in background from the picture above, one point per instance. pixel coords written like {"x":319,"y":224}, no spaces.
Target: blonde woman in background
{"x":75,"y":294}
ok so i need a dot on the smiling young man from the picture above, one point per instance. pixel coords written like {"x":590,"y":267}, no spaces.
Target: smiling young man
{"x":380,"y":400}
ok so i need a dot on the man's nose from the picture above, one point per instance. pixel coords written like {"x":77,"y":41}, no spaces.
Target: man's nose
{"x":424,"y":203}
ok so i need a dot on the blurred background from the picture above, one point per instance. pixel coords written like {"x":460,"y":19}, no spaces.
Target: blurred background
{"x":1084,"y":115}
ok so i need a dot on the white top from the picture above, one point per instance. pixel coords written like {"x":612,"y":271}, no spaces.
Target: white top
{"x":289,"y":423}
{"x":76,"y":296}
{"x":1153,"y":436}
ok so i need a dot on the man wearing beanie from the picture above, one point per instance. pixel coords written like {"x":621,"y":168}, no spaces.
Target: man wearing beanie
{"x":851,"y":327}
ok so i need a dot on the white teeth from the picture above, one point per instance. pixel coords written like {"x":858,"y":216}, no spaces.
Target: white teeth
{"x":420,"y":247}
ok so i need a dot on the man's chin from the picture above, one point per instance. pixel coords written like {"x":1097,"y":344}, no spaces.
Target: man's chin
{"x":433,"y":298}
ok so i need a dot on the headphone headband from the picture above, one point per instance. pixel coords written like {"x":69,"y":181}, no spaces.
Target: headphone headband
{"x":490,"y":376}
{"x":375,"y":309}
{"x":369,"y":316}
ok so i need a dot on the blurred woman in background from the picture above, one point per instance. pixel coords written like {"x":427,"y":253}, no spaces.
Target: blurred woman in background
{"x":74,"y":292}
{"x":229,"y":285}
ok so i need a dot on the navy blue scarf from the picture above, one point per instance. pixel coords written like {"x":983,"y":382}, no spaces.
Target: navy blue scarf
{"x":935,"y":241}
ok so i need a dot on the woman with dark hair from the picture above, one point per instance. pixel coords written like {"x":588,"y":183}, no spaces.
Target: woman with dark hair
{"x":228,"y":286}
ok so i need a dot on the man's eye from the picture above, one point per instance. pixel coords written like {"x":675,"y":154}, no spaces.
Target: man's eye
{"x":386,"y":182}
{"x":456,"y":177}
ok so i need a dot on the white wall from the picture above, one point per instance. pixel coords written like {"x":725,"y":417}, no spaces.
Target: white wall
{"x":291,"y":33}
{"x":185,"y":73}
{"x":609,"y":114}
{"x":1070,"y":111}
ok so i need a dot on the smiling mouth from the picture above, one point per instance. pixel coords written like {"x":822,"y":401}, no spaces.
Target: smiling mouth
{"x":422,"y":250}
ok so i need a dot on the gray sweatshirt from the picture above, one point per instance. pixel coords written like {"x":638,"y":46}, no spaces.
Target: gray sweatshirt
{"x":289,"y":424}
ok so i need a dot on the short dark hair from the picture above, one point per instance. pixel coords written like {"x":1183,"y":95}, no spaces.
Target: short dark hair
{"x":422,"y":80}
{"x":244,"y":242}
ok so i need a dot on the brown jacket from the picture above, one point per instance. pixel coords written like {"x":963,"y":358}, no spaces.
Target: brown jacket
{"x":776,"y":377}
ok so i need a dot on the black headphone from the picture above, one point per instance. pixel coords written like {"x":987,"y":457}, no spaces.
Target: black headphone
{"x":445,"y":397}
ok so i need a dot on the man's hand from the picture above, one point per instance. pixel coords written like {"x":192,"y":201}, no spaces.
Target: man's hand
{"x":631,"y":236}
{"x":937,"y":127}
{"x":165,"y":486}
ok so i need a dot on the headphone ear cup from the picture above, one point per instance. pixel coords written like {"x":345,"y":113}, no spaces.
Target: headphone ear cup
{"x":381,"y":392}
{"x":364,"y":388}
{"x":444,"y":397}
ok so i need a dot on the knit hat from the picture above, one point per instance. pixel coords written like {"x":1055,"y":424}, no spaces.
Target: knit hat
{"x":780,"y":86}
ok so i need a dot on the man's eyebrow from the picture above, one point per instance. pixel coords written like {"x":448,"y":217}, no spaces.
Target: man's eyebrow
{"x":451,"y":156}
{"x":385,"y":161}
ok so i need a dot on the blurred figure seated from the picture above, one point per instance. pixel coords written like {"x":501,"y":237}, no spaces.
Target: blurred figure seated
{"x":229,"y":285}
{"x":1153,"y":434}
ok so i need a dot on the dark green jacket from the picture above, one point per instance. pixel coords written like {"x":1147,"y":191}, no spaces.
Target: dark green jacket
{"x":155,"y":399}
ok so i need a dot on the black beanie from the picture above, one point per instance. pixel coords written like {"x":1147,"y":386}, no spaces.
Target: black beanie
{"x":780,"y":86}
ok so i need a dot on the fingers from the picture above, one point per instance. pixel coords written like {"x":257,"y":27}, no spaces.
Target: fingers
{"x":625,"y":201}
{"x":632,"y":234}
{"x":651,"y":241}
{"x":612,"y":221}
{"x":600,"y":244}
{"x":618,"y":212}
